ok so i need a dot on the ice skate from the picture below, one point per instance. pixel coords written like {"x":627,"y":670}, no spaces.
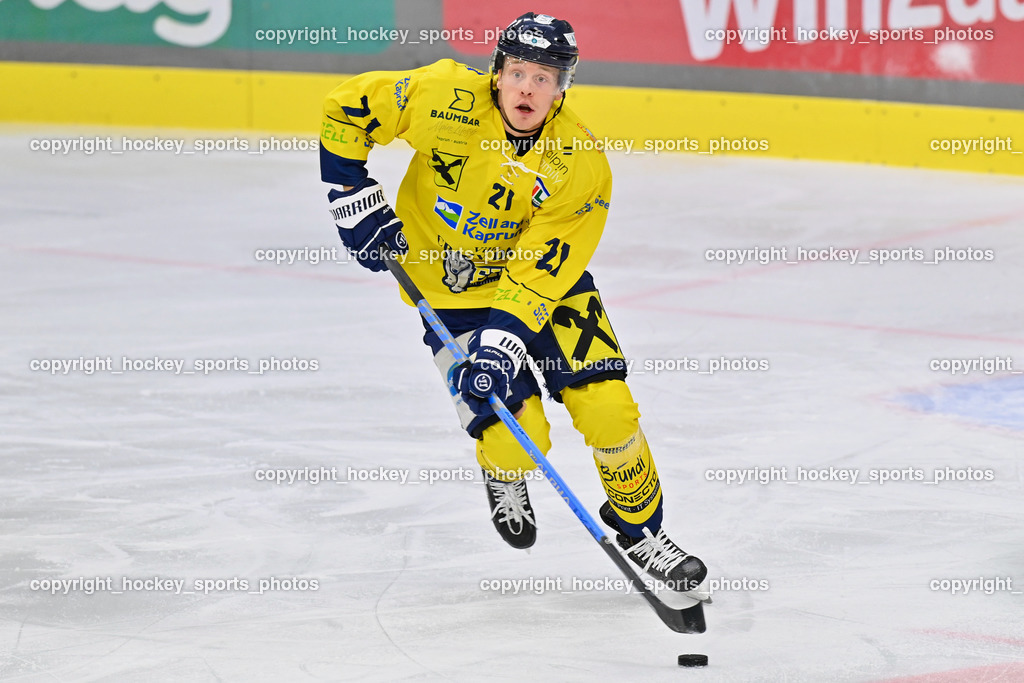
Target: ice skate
{"x":660,"y":557}
{"x":510,"y":511}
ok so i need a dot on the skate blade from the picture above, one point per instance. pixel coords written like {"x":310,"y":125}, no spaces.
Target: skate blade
{"x":701,"y":593}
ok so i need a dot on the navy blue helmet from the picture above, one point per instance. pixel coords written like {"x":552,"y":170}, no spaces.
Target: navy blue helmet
{"x":539,"y":38}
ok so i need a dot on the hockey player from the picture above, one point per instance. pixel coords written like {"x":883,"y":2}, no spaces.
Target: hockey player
{"x":498,"y":215}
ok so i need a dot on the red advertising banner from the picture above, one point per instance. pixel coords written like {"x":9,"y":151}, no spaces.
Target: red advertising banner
{"x":967,"y":40}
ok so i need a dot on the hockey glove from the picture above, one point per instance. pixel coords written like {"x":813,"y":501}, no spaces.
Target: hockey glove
{"x":367,"y":223}
{"x":495,"y":357}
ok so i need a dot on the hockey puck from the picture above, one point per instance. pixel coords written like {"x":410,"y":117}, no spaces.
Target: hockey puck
{"x":693,"y":660}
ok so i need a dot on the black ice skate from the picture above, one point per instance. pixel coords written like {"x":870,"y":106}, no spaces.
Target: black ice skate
{"x":511,"y":511}
{"x":657,"y":555}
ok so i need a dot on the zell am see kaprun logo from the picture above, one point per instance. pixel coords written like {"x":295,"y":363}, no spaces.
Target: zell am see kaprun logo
{"x":449,"y":211}
{"x":476,"y":223}
{"x":215,"y":17}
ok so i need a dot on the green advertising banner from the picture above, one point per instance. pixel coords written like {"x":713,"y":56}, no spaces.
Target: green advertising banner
{"x":317,"y":26}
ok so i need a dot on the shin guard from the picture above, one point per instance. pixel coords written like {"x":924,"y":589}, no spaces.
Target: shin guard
{"x":630,"y":481}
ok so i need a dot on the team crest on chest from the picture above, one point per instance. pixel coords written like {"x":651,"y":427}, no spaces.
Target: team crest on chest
{"x":447,"y":168}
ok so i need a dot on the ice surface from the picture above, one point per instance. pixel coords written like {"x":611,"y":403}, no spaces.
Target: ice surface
{"x":148,"y":474}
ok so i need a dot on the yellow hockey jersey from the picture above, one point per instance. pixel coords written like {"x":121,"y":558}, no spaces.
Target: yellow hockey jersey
{"x":486,"y":228}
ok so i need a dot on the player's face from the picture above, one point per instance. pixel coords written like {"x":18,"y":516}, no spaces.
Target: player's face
{"x":526,"y":93}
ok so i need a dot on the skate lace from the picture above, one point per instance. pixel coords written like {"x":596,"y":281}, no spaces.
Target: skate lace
{"x":510,"y":502}
{"x":658,"y":552}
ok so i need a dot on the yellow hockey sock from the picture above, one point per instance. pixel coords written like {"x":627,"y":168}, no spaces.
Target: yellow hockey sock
{"x":609,"y":420}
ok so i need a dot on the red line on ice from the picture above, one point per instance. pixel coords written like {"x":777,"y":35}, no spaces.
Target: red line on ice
{"x":249,"y":270}
{"x":1002,"y":640}
{"x":993,"y":673}
{"x":996,"y":673}
{"x":990,"y":221}
{"x":828,"y":323}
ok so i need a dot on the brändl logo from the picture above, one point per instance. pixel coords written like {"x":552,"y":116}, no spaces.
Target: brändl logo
{"x":974,"y":40}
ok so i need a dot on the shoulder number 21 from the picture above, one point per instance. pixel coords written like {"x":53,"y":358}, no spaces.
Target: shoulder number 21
{"x":554,"y":257}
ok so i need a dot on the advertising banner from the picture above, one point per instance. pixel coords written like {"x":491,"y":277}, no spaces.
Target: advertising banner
{"x":307,"y":26}
{"x":976,"y":40}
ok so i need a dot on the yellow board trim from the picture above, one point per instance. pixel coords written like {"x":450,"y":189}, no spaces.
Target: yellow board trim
{"x":891,"y":133}
{"x":791,"y":127}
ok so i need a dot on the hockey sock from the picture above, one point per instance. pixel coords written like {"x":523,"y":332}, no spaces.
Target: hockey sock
{"x":631,"y":483}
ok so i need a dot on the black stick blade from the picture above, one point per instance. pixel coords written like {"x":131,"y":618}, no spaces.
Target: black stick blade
{"x":688,"y":620}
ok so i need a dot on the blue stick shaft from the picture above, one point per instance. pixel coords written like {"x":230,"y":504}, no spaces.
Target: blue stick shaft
{"x":689,"y":620}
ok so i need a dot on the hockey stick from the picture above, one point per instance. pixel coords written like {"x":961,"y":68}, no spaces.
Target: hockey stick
{"x":688,"y":620}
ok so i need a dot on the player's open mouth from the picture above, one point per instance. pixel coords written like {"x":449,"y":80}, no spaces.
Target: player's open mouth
{"x":524,"y":109}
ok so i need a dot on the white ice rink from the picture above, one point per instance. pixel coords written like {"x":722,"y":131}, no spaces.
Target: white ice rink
{"x":150,"y":475}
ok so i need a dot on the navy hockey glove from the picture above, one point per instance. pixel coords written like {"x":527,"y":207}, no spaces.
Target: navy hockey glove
{"x":495,"y":357}
{"x":366,"y":223}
